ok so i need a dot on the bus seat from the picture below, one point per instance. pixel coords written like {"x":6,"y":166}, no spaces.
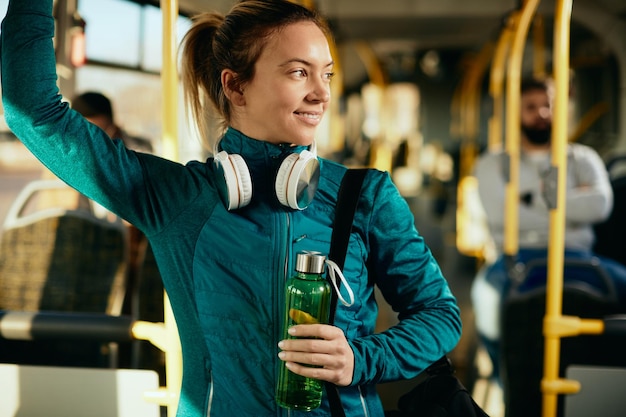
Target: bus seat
{"x":610,"y":233}
{"x":75,"y":392}
{"x":601,"y":392}
{"x":522,"y":342}
{"x":59,"y":259}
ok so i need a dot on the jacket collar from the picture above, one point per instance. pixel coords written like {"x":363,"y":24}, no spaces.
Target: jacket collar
{"x":262,"y":158}
{"x":255,"y":152}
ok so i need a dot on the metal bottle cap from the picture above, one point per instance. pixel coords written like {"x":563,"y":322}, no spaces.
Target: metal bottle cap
{"x":310,"y":262}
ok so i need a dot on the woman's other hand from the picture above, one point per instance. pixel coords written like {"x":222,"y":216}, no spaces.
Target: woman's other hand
{"x":323,"y":346}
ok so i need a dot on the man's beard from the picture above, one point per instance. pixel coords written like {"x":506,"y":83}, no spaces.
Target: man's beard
{"x":537,"y":136}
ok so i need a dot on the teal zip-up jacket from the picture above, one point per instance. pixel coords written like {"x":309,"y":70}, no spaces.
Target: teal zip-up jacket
{"x":224,"y":271}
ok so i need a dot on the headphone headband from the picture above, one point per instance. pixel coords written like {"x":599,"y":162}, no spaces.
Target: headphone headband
{"x":295,"y":184}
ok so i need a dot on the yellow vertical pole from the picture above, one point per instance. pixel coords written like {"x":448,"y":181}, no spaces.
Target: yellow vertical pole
{"x":554,"y":296}
{"x":539,"y":48}
{"x":337,"y":128}
{"x":465,"y":108}
{"x":496,"y":83}
{"x":381,"y":154}
{"x":512,"y":139}
{"x":169,"y":81}
{"x":375,"y":71}
{"x":471,"y":107}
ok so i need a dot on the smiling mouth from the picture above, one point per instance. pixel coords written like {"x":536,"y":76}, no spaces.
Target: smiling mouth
{"x":311,"y":116}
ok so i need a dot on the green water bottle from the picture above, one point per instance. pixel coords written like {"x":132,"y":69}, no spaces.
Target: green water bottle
{"x":307,"y":302}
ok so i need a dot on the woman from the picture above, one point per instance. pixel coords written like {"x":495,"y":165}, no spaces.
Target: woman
{"x":266,"y":68}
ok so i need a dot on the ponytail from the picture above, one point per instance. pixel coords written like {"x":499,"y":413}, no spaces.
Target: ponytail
{"x":200,"y":71}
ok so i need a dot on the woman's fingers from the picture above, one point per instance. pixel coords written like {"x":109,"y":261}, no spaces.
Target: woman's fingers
{"x":319,"y":351}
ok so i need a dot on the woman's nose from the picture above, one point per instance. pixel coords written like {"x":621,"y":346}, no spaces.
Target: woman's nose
{"x":320,"y":92}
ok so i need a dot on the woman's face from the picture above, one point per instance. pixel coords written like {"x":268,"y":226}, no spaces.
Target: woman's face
{"x":290,"y":90}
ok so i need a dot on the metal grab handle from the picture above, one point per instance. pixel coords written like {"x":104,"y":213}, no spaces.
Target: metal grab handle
{"x":25,"y":325}
{"x":615,"y":325}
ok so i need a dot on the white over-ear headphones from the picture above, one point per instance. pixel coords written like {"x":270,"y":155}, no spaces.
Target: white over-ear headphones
{"x":295,"y":185}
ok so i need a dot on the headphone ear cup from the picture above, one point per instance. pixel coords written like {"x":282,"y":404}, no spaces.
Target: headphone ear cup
{"x":282,"y":178}
{"x":238,"y":184}
{"x":244,"y":182}
{"x":296,"y":180}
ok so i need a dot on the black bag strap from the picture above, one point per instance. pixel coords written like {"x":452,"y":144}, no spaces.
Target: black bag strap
{"x":347,"y":201}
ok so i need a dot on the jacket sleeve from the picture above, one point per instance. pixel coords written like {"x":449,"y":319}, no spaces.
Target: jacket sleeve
{"x":411,"y":281}
{"x":78,"y":152}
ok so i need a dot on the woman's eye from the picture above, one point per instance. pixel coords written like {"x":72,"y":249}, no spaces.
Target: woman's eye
{"x":330,"y":75}
{"x":299,"y":73}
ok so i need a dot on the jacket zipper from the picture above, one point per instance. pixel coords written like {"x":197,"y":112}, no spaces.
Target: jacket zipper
{"x":363,"y":403}
{"x":210,"y":401}
{"x":285,"y":250}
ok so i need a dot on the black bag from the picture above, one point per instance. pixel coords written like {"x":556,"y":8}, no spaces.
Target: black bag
{"x":441,"y":393}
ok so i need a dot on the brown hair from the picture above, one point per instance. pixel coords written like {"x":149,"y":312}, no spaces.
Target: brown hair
{"x":531,"y":84}
{"x":92,"y":103}
{"x":235,"y":41}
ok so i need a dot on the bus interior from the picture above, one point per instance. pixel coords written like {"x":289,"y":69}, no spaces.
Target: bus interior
{"x":422,"y":90}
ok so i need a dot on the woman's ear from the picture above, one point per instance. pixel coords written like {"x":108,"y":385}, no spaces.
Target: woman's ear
{"x":231,"y":89}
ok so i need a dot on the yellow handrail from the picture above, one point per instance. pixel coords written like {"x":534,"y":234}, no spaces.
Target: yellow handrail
{"x":165,"y":335}
{"x":381,"y":153}
{"x":555,"y":324}
{"x":551,"y":385}
{"x":466,"y":107}
{"x":375,"y":70}
{"x":169,"y":79}
{"x":512,"y":138}
{"x":470,"y":107}
{"x":496,"y":83}
{"x":588,"y":119}
{"x":539,"y":48}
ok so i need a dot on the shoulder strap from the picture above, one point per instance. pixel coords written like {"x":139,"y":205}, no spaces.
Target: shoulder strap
{"x":347,"y":201}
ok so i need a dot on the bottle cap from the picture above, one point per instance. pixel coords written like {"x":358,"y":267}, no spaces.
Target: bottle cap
{"x":310,"y":262}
